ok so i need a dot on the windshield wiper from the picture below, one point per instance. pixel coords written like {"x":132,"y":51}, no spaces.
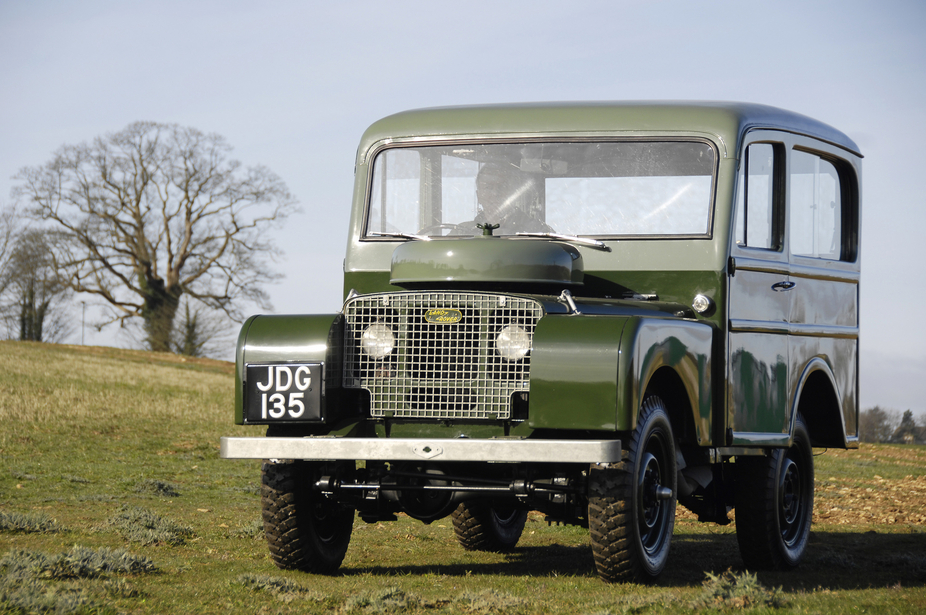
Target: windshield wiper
{"x":402,"y":236}
{"x":584,"y":241}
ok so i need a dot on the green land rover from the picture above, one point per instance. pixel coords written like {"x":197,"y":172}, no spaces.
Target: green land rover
{"x":594,"y":311}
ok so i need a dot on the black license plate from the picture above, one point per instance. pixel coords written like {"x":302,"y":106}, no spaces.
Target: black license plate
{"x":283,"y":392}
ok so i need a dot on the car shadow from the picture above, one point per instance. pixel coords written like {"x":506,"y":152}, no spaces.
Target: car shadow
{"x":834,"y":560}
{"x":547,"y":561}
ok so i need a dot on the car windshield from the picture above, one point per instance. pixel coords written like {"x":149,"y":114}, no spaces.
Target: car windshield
{"x":597,"y":189}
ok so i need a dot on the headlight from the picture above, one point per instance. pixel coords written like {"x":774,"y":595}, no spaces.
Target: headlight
{"x":513,"y":343}
{"x":377,"y":340}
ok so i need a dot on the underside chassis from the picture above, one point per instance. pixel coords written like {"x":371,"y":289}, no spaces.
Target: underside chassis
{"x":430,"y":491}
{"x":628,"y":506}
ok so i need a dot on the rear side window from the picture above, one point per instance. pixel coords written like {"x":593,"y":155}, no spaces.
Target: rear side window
{"x":816,"y":216}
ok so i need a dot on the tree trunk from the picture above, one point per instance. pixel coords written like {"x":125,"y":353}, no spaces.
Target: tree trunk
{"x":27,"y":312}
{"x":190,"y":343}
{"x":159,"y":310}
{"x":31,"y":314}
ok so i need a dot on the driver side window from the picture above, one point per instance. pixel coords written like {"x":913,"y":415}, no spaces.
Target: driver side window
{"x":758,"y":199}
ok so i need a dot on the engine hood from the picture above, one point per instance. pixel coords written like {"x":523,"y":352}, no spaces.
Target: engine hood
{"x":486,"y":260}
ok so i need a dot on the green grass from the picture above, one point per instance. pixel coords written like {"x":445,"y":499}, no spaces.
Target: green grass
{"x":111,"y":455}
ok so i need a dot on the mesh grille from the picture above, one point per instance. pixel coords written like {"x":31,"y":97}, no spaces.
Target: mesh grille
{"x":445,"y":368}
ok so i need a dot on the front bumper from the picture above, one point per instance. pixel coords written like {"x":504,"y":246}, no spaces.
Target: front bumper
{"x":499,"y":450}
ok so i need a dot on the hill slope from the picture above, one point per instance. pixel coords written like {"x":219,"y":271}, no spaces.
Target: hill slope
{"x":115,"y":450}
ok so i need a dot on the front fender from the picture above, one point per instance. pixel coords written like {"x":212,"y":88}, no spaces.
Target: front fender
{"x":590,"y":372}
{"x":289,"y":339}
{"x":574,"y":368}
{"x":652,"y":344}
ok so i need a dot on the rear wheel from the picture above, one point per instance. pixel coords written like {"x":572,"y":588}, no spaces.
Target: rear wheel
{"x":480,"y":526}
{"x":631,"y":504}
{"x":774,"y":504}
{"x":304,"y":529}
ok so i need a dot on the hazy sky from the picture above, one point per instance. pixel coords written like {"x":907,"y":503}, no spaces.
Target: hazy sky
{"x":292,"y":85}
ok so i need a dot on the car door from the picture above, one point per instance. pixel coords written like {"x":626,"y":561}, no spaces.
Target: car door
{"x":823,"y":246}
{"x":759,"y":298}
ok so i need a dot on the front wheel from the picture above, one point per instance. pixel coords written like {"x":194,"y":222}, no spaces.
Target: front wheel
{"x":631,"y":504}
{"x":774,"y":504}
{"x":480,"y":526}
{"x":304,"y":529}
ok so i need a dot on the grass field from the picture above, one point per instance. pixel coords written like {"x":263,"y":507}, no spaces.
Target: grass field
{"x":113,"y":499}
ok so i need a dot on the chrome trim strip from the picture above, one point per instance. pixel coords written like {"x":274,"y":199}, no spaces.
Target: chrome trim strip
{"x":777,"y":440}
{"x":821,"y":273}
{"x":838,"y":331}
{"x":743,"y":263}
{"x":420,"y":449}
{"x":783,"y":328}
{"x":734,"y":451}
{"x":759,"y":326}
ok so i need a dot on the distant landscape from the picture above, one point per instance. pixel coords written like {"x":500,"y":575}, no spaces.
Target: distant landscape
{"x":113,"y":500}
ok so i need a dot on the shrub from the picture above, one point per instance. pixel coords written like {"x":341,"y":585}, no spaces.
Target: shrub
{"x":388,"y":600}
{"x":281,"y":588}
{"x":147,"y":528}
{"x":32,"y":596}
{"x":737,"y":590}
{"x":78,"y":563}
{"x":487,"y":601}
{"x":254,"y":529}
{"x":28,"y":523}
{"x":157,"y":487}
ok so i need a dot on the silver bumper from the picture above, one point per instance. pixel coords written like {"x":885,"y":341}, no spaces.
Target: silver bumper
{"x":509,"y":450}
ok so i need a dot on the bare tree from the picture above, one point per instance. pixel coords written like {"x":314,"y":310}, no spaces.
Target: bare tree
{"x":877,"y":424}
{"x":155,"y":212}
{"x":34,"y":303}
{"x":201,"y":332}
{"x":906,"y":431}
{"x":9,"y":228}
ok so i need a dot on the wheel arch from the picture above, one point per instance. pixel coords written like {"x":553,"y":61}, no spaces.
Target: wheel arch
{"x":672,"y":358}
{"x":669,"y":386}
{"x":817,"y":400}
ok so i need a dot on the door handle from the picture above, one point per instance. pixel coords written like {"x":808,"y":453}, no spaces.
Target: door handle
{"x":780,"y":286}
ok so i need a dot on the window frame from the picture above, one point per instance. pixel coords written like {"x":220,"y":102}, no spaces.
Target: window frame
{"x":778,"y":201}
{"x":848,"y":171}
{"x":655,"y":138}
{"x":848,"y":205}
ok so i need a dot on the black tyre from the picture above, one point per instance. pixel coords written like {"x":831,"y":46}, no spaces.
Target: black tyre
{"x":774,"y":504}
{"x":631,"y":504}
{"x":304,"y":529}
{"x":480,"y":526}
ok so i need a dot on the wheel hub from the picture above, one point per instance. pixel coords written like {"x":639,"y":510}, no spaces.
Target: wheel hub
{"x":651,"y":495}
{"x":790,"y":500}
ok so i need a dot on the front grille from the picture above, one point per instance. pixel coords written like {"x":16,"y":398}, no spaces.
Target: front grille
{"x":447,"y":369}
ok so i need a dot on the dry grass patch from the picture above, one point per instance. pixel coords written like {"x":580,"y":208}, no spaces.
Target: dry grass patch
{"x":78,"y":385}
{"x":145,"y":527}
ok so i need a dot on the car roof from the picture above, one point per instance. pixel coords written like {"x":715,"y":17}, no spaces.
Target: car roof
{"x":730,"y":121}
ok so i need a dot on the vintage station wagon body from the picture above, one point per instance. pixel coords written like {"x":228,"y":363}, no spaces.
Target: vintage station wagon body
{"x":592,"y":310}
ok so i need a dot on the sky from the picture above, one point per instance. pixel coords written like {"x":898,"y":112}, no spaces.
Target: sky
{"x":292,"y":86}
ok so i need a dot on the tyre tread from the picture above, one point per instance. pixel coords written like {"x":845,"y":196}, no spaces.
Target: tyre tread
{"x":610,"y":518}
{"x":757,"y":528}
{"x":474,"y":527}
{"x":288,"y":527}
